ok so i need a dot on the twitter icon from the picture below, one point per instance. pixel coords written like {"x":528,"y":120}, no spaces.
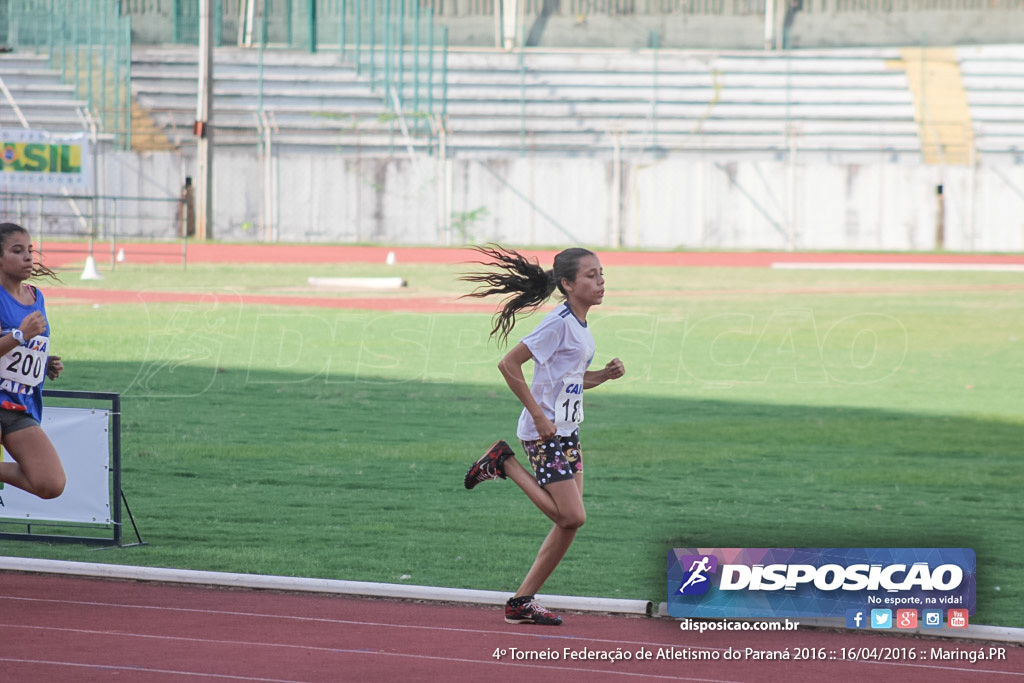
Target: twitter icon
{"x":881,"y":618}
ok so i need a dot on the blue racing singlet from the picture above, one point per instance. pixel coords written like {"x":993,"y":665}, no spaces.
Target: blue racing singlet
{"x":23,"y":369}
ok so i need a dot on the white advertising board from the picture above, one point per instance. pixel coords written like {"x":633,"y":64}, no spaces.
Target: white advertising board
{"x":81,"y":436}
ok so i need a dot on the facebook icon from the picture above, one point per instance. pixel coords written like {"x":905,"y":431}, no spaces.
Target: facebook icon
{"x":856,"y":618}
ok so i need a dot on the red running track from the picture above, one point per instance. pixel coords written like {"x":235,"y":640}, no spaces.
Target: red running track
{"x":72,"y":254}
{"x":55,"y":628}
{"x":63,"y":254}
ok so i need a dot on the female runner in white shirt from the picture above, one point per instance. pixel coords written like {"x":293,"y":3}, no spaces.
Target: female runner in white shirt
{"x":561,"y":348}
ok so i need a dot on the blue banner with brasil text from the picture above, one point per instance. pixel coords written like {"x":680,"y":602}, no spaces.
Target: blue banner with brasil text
{"x":816,"y":582}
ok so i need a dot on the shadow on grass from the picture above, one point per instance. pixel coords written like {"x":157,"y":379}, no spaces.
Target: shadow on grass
{"x":282,"y":474}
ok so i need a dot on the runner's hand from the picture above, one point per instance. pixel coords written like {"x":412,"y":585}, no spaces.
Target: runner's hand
{"x":54,"y":366}
{"x":545,"y":427}
{"x":615,"y":369}
{"x":33,"y":324}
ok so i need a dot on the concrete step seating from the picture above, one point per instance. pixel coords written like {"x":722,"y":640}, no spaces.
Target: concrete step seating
{"x":36,"y":88}
{"x":569,"y":101}
{"x":307,"y":99}
{"x":838,"y":100}
{"x":577,"y":102}
{"x":993,"y":78}
{"x":713,"y":100}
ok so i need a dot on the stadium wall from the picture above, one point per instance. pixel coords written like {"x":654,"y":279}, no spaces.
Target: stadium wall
{"x":684,"y":202}
{"x":685,"y":24}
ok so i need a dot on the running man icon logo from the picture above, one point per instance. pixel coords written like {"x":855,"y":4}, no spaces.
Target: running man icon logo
{"x":695,"y":581}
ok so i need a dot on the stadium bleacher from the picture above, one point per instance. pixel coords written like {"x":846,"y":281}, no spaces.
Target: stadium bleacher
{"x":861,"y":101}
{"x":307,"y":99}
{"x":676,"y":101}
{"x":994,"y":82}
{"x":39,"y":95}
{"x":558,"y":102}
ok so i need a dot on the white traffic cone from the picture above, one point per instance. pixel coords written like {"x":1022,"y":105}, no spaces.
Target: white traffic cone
{"x":120,"y":255}
{"x":90,"y":272}
{"x":390,"y":260}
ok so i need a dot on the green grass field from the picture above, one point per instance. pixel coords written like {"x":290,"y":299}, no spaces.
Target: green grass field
{"x":761,"y":409}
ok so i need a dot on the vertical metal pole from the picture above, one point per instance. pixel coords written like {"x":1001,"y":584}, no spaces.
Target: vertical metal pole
{"x":444,"y":76}
{"x":445,"y":203}
{"x":39,"y":223}
{"x":204,"y":123}
{"x":387,"y":52}
{"x":373,"y":40}
{"x":769,"y":24}
{"x":95,"y":153}
{"x":259,"y":75}
{"x":791,"y":184}
{"x":63,"y":40}
{"x":522,"y":98}
{"x":78,"y":22}
{"x":176,"y":13}
{"x":341,"y":27}
{"x":498,"y":12}
{"x":49,"y":33}
{"x":359,"y":37}
{"x":416,"y":63}
{"x":655,"y":45}
{"x":616,"y":240}
{"x":218,"y":23}
{"x":288,"y":22}
{"x":311,"y":16}
{"x":88,"y":52}
{"x":791,"y":192}
{"x":103,"y":65}
{"x":115,"y":416}
{"x":972,"y":199}
{"x":127,"y":42}
{"x":430,"y":67}
{"x":113,"y":235}
{"x":401,"y":52}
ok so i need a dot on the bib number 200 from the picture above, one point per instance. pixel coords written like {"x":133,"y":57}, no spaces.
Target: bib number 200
{"x":24,"y":366}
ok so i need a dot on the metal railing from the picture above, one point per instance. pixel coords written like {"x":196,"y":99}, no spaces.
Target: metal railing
{"x":404,"y":55}
{"x":89,"y":43}
{"x":107,"y":218}
{"x":394,"y":44}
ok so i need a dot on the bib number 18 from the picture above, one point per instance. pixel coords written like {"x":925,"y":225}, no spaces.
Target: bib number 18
{"x":572,"y":412}
{"x":569,"y":409}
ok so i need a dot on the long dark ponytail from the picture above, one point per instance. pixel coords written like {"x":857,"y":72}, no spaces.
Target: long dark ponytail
{"x":525,"y":284}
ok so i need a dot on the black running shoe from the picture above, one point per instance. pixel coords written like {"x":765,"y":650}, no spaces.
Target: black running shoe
{"x":490,"y":466}
{"x":531,"y":612}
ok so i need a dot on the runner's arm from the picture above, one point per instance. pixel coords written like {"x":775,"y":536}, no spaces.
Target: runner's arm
{"x":613,"y":370}
{"x":511,"y":367}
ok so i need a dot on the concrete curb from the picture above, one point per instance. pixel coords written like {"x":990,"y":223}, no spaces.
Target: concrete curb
{"x":338,"y":587}
{"x":434,"y":593}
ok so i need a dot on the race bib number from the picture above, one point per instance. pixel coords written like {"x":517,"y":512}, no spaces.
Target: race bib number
{"x":26,"y":364}
{"x":569,"y":406}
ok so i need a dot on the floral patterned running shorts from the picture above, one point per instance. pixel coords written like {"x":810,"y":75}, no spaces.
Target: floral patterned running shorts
{"x":556,"y":459}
